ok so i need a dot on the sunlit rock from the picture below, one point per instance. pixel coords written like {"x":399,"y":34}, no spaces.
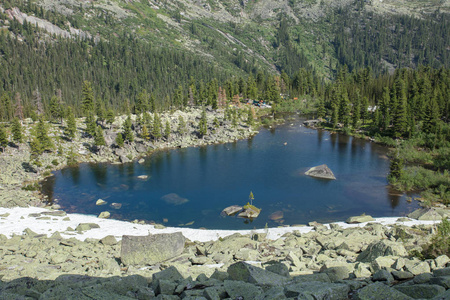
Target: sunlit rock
{"x":231,"y":210}
{"x":321,"y":171}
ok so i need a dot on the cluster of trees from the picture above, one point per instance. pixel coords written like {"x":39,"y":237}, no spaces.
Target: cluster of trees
{"x":385,"y":41}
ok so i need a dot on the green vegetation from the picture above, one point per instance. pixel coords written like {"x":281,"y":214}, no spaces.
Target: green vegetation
{"x":440,"y":244}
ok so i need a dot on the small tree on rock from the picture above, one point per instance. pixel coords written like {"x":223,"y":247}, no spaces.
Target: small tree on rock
{"x":3,"y":138}
{"x":16,"y":130}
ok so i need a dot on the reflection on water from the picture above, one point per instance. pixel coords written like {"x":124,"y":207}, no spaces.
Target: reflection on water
{"x":192,"y":186}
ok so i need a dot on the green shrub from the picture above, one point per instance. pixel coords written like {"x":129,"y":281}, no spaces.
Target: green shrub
{"x":55,"y":162}
{"x":47,"y":173}
{"x":31,"y":187}
{"x":440,"y":243}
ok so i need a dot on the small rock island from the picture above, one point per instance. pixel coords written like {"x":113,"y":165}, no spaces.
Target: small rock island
{"x":321,"y":171}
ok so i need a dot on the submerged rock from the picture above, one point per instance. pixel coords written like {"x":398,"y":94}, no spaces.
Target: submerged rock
{"x":151,"y":249}
{"x":321,"y":171}
{"x":104,"y":215}
{"x":174,"y":199}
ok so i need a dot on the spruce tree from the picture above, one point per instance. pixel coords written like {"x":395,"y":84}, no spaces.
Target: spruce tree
{"x":395,"y":169}
{"x":99,"y":140}
{"x":71,"y":127}
{"x":167,"y":130}
{"x":55,"y":109}
{"x":119,"y":140}
{"x":399,"y":121}
{"x":321,"y":109}
{"x":42,"y":135}
{"x":202,"y":125}
{"x":110,"y":117}
{"x":90,"y":124}
{"x":431,"y":116}
{"x":87,"y":98}
{"x":144,"y":133}
{"x":156,"y":128}
{"x":334,"y":114}
{"x":100,"y":111}
{"x":3,"y":138}
{"x":356,"y":116}
{"x":16,"y":130}
{"x":127,"y":131}
{"x":181,"y":126}
{"x":344,"y":109}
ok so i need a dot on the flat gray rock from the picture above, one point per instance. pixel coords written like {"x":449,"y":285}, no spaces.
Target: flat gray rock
{"x":151,"y":249}
{"x":321,"y":171}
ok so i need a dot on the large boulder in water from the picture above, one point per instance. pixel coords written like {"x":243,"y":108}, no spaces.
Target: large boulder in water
{"x":151,"y":249}
{"x":321,"y":171}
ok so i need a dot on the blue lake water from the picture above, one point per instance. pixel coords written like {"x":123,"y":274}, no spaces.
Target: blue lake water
{"x":196,"y":184}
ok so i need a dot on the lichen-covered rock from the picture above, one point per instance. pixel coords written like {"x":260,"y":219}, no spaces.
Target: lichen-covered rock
{"x":104,"y":215}
{"x":380,"y":291}
{"x":151,"y":249}
{"x":248,"y":273}
{"x":242,"y":290}
{"x":317,"y":290}
{"x":86,"y":226}
{"x":424,"y":291}
{"x":321,"y":171}
{"x":359,"y":219}
{"x":381,"y":248}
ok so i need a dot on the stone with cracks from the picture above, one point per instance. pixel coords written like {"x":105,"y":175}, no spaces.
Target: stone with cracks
{"x":321,"y":171}
{"x":381,"y":248}
{"x":248,"y":273}
{"x":421,"y":291}
{"x":151,"y":249}
{"x":231,"y":210}
{"x":380,"y":291}
{"x":317,"y":290}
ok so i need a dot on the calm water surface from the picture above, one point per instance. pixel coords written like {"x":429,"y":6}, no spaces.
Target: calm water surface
{"x":196,"y":184}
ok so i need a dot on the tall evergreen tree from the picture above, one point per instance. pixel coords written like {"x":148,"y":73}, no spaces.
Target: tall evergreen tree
{"x":181,"y":126}
{"x":127,"y":131}
{"x":99,"y":140}
{"x":87,"y":98}
{"x":250,"y":119}
{"x":90,"y":124}
{"x":119,"y":140}
{"x":144,"y":133}
{"x":202,"y":124}
{"x":399,"y":121}
{"x":431,"y":116}
{"x":42,"y":135}
{"x":167,"y":130}
{"x":16,"y":130}
{"x":55,"y":109}
{"x":71,"y":128}
{"x":110,"y":117}
{"x":3,"y":138}
{"x":156,"y":128}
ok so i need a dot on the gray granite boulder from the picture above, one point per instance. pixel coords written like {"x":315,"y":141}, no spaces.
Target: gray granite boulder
{"x":381,"y":248}
{"x":359,"y":219}
{"x":248,"y":273}
{"x":317,"y":290}
{"x":321,"y":171}
{"x":151,"y":249}
{"x":380,"y":291}
{"x":421,"y":291}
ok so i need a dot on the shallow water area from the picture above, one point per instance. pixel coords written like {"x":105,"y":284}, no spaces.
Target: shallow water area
{"x":190,"y":187}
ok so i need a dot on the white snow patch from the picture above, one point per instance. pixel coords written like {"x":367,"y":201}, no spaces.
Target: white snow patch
{"x":18,"y":220}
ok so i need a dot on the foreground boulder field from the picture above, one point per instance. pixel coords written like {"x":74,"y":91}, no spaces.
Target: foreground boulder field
{"x":330,"y":262}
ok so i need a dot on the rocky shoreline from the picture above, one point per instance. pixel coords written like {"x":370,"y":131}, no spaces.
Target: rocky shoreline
{"x":335,"y":261}
{"x":18,"y":172}
{"x":368,"y":260}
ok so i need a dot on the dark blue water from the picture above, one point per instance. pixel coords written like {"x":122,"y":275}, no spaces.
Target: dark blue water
{"x":196,"y":184}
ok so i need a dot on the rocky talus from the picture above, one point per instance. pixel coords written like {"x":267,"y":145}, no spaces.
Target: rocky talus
{"x":370,"y":262}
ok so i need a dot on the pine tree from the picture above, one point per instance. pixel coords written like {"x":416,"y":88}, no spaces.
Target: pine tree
{"x":90,"y":124}
{"x":71,"y":127}
{"x":119,"y":140}
{"x":399,"y":121}
{"x":144,"y":133}
{"x":202,"y":125}
{"x":344,"y":109}
{"x":127,"y":131}
{"x":334,"y":114}
{"x":100,"y":111}
{"x":356,"y":116}
{"x":395,"y":169}
{"x":99,"y":140}
{"x":156,"y":130}
{"x":321,"y":109}
{"x":42,"y":135}
{"x":365,"y":109}
{"x":55,"y":109}
{"x":431,"y":116}
{"x":16,"y":130}
{"x":87,"y":98}
{"x":3,"y":138}
{"x":110,"y":117}
{"x":181,"y":126}
{"x":36,"y":148}
{"x":167,"y":130}
{"x":142,"y":104}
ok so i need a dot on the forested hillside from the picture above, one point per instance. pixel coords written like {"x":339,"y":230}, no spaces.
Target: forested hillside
{"x":49,"y":47}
